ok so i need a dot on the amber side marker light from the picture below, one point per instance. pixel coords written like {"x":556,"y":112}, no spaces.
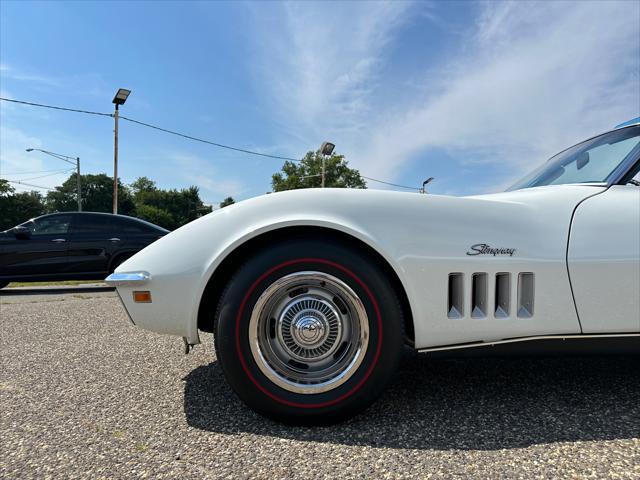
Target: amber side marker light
{"x":143,"y":296}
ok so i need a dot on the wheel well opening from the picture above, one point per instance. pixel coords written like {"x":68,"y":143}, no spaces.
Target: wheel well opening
{"x":222,"y":275}
{"x":119,"y":258}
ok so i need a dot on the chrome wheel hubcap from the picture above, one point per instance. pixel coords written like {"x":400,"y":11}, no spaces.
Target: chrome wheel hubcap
{"x":308,"y":332}
{"x":310,"y":328}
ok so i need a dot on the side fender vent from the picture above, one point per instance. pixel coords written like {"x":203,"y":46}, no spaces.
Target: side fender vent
{"x":503,"y":295}
{"x":479,"y":295}
{"x":455,"y":306}
{"x":526,"y":292}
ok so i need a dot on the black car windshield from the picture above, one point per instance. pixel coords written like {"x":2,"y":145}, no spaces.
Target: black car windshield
{"x":592,"y":161}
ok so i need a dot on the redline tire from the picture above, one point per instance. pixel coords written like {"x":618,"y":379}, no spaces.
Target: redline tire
{"x":283,"y":367}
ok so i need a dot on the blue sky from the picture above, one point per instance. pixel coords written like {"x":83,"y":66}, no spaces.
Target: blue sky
{"x":472,"y":93}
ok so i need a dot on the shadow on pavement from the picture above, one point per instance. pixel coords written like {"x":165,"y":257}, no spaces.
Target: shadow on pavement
{"x":479,"y":404}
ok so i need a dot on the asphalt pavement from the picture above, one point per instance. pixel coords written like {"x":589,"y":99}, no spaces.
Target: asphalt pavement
{"x":84,"y":394}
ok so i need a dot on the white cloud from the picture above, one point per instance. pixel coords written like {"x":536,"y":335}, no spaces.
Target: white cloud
{"x":8,"y":72}
{"x":320,"y":66}
{"x":531,"y":79}
{"x":90,"y":84}
{"x":14,"y":160}
{"x":537,"y":78}
{"x":197,"y":171}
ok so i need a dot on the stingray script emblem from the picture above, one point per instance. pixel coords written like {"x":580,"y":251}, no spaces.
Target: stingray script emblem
{"x":484,"y":249}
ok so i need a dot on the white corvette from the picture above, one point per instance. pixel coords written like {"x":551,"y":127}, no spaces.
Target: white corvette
{"x":313,"y":294}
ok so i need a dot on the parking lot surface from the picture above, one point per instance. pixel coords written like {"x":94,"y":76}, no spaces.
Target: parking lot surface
{"x":84,"y":394}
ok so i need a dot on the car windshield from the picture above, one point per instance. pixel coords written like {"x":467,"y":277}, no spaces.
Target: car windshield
{"x":592,"y":161}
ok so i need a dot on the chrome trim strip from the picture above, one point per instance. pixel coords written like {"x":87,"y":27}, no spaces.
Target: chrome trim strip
{"x":526,"y":339}
{"x":132,"y":278}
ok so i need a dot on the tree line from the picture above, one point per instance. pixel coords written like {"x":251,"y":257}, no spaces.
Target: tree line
{"x":170,"y":208}
{"x":143,"y":199}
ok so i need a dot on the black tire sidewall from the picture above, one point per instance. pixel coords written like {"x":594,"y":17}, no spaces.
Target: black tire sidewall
{"x":385,"y":331}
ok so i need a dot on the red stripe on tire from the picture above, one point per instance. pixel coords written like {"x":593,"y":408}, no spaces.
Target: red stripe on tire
{"x":378,"y":346}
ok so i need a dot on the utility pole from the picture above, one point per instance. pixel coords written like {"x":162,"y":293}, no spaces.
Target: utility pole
{"x":121,"y":96}
{"x":78,"y":184}
{"x":325,"y":149}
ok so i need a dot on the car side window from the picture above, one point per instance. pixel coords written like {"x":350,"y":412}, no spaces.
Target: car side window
{"x":94,"y":224}
{"x":57,"y":225}
{"x":131,"y":226}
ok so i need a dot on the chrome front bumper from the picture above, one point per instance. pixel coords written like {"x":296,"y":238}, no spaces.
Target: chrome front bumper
{"x":123,"y":279}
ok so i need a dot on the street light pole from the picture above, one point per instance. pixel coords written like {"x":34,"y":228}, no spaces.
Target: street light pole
{"x":121,"y":96}
{"x":115,"y":162}
{"x":325,"y":149}
{"x":72,"y":160}
{"x":424,"y":184}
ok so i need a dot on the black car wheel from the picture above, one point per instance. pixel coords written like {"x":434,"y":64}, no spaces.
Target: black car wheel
{"x":309,"y":332}
{"x":119,"y":260}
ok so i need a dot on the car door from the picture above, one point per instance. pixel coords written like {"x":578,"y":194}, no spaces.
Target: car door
{"x":95,"y":238}
{"x":604,"y":260}
{"x":43,"y":253}
{"x":140,"y":233}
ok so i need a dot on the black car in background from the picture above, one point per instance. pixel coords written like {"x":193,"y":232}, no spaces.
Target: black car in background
{"x":72,"y":246}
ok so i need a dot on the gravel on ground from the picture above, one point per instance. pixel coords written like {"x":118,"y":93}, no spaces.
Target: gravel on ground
{"x":85,"y":394}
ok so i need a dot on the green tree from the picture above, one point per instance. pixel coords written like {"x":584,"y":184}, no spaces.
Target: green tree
{"x":307,"y":174}
{"x":5,"y":188}
{"x":155,"y":215}
{"x":226,"y":202}
{"x":169,"y":208}
{"x":142,"y":185}
{"x":16,"y":208}
{"x":97,"y":195}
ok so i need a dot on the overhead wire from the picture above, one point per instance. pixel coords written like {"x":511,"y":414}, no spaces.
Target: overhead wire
{"x":191,"y":137}
{"x":66,"y":109}
{"x":32,"y":172}
{"x":29,"y":185}
{"x":209,"y":142}
{"x":48,"y":175}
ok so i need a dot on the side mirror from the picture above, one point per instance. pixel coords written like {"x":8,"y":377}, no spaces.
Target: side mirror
{"x":22,"y":233}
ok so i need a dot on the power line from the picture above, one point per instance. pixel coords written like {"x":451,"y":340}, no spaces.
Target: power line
{"x":250,"y":152}
{"x":37,"y":171}
{"x":57,"y":108}
{"x":48,"y":175}
{"x":155,"y":127}
{"x":190,"y":137}
{"x":389,"y":183}
{"x":30,"y":185}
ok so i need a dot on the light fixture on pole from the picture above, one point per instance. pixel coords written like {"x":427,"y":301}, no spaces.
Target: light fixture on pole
{"x":425,"y":183}
{"x":121,"y":96}
{"x":325,"y":149}
{"x":73,"y":161}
